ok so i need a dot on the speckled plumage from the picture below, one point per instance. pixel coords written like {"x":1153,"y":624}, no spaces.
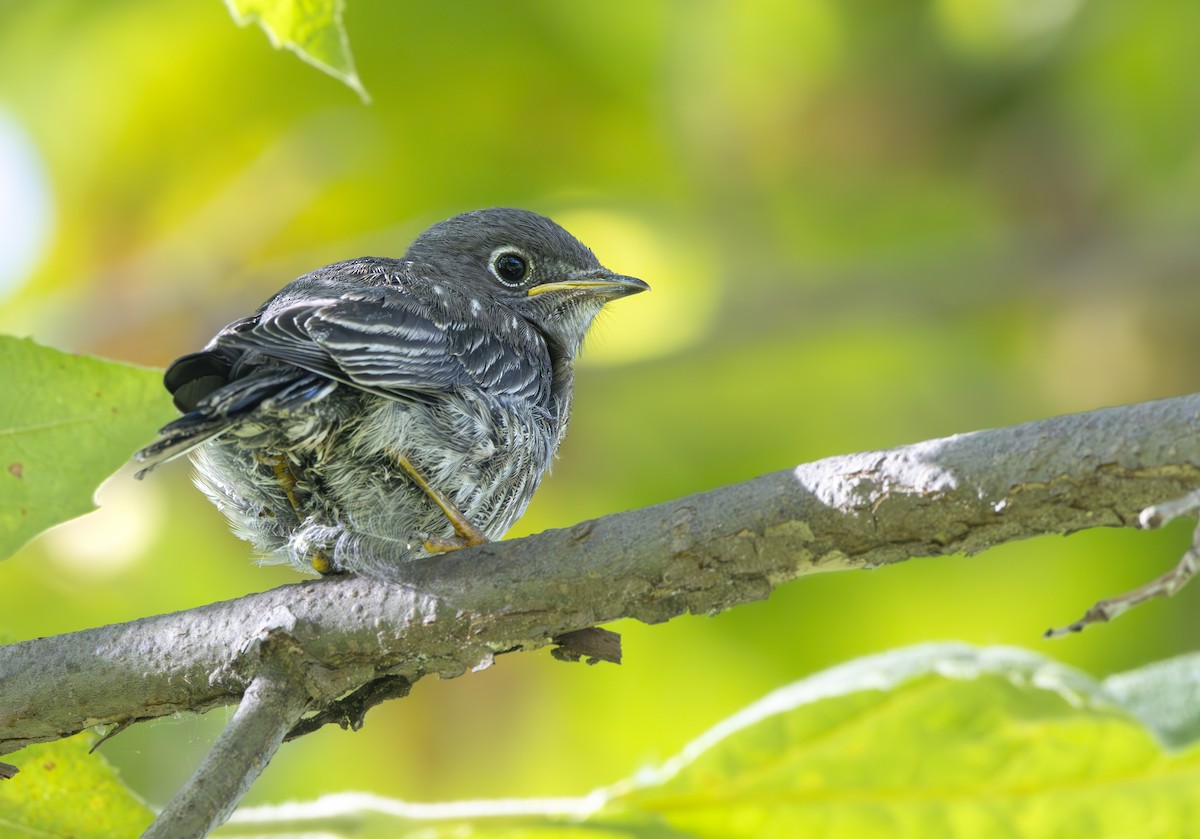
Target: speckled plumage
{"x":440,"y":359}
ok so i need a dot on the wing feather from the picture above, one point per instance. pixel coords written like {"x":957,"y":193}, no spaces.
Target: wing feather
{"x":380,"y":340}
{"x":385,"y":341}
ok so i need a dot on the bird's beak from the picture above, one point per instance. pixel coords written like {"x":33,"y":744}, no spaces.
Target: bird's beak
{"x":603,"y":284}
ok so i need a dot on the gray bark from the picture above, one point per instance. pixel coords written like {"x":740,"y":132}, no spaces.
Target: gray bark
{"x":272,"y":704}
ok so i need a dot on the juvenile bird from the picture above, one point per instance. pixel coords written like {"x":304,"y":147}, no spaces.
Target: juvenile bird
{"x":379,"y":409}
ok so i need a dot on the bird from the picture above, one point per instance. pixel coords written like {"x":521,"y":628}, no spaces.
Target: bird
{"x":377,"y":410}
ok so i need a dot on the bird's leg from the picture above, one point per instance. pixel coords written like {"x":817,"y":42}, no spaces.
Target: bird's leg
{"x":466,"y":535}
{"x":286,"y":476}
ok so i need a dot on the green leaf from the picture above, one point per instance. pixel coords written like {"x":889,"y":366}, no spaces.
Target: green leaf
{"x":62,"y":790}
{"x":1164,"y":696}
{"x":312,"y":29}
{"x":941,"y":740}
{"x":67,"y":422}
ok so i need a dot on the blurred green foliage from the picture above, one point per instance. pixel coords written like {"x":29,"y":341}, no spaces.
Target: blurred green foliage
{"x":864,"y":223}
{"x":937,"y":740}
{"x":66,"y":790}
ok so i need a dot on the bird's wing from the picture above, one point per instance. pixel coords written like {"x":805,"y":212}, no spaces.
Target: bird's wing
{"x":378,"y":340}
{"x":213,"y":405}
{"x":384,"y":341}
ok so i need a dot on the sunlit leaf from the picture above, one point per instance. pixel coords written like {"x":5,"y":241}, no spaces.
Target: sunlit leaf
{"x":938,"y":740}
{"x":62,"y":790}
{"x":66,"y":423}
{"x":312,"y":29}
{"x":1164,"y":695}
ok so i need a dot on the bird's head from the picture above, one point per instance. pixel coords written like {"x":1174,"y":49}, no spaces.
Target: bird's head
{"x":525,"y":263}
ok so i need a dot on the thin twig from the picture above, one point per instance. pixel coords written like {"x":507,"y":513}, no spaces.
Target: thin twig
{"x":1163,"y":586}
{"x":111,"y":733}
{"x":271,"y":706}
{"x":1158,"y":515}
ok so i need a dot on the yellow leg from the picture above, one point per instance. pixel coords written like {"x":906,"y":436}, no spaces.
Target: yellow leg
{"x":321,"y":562}
{"x":283,"y":474}
{"x":467,"y":535}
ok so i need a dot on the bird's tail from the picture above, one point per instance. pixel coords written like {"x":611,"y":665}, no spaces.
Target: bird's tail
{"x":278,"y":390}
{"x":178,"y":438}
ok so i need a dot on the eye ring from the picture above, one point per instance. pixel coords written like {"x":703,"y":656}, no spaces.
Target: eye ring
{"x":510,"y":266}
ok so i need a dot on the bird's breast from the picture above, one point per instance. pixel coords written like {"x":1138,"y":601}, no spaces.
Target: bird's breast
{"x":472,"y":432}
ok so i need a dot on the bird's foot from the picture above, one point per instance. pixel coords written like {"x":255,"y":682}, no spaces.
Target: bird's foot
{"x":466,"y":535}
{"x":323,"y":564}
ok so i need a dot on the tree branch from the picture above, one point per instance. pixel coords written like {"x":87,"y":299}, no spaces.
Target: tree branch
{"x":273,"y":702}
{"x":1166,"y":585}
{"x":703,"y":553}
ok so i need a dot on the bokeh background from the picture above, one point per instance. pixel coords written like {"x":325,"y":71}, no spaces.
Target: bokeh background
{"x":865,"y":224}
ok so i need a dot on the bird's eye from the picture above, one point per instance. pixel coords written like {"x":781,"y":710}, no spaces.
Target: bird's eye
{"x":510,"y":268}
